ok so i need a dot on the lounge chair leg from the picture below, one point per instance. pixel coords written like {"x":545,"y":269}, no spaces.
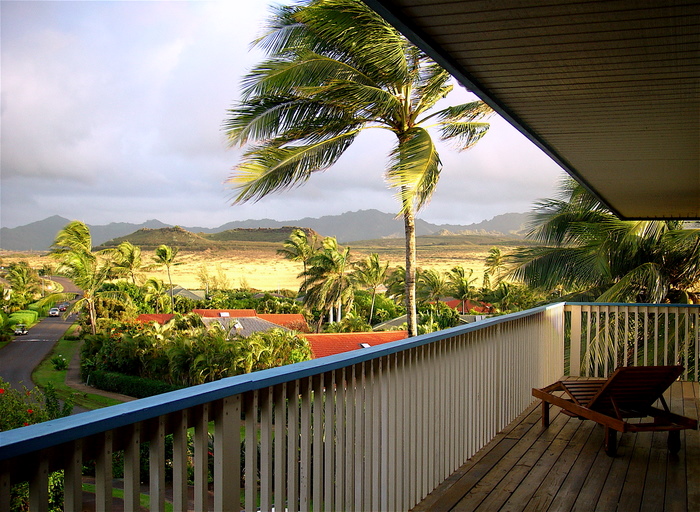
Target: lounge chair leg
{"x":545,"y":414}
{"x":610,"y":442}
{"x":674,"y":441}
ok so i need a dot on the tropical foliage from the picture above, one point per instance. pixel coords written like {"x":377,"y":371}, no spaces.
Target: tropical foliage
{"x":335,"y":69}
{"x":587,"y":253}
{"x":327,"y":282}
{"x":25,"y":285}
{"x":89,"y":270}
{"x":370,"y":274}
{"x":300,"y":246}
{"x":165,"y":256}
{"x":185,"y":352}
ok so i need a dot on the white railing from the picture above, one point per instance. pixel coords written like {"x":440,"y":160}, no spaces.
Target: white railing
{"x":374,"y":429}
{"x":605,"y":336}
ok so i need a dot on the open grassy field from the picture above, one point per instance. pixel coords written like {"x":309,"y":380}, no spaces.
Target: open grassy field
{"x":257,"y":265}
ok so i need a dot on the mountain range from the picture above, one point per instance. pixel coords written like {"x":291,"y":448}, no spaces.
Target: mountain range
{"x":347,"y":227}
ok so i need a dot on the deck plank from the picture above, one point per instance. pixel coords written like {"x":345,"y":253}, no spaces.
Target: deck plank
{"x":564,"y":467}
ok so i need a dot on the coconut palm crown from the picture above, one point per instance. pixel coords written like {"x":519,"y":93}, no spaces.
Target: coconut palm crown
{"x":590,"y":254}
{"x":335,"y":69}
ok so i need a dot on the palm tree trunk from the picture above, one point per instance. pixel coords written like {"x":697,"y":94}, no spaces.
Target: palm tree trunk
{"x":371,"y":308}
{"x":410,"y":233}
{"x":172,"y":299}
{"x":93,"y":316}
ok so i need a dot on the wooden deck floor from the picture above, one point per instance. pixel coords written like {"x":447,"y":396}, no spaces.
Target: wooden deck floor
{"x":564,"y":467}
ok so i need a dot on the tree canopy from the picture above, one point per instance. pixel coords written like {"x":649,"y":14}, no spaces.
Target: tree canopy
{"x":336,"y":68}
{"x":587,"y":253}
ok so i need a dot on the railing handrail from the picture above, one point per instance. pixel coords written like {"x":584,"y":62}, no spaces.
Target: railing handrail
{"x":632,"y":304}
{"x":32,"y":438}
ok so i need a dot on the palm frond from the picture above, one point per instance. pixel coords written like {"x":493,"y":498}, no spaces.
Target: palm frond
{"x":415,"y":169}
{"x":360,"y":100}
{"x":282,"y":76}
{"x":463,"y":134}
{"x":646,"y":281}
{"x":267,"y":169}
{"x":432,"y":86}
{"x":353,"y":31}
{"x":466,"y":112}
{"x":280,"y":120}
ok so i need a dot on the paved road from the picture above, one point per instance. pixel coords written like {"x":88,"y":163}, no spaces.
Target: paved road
{"x":19,"y":358}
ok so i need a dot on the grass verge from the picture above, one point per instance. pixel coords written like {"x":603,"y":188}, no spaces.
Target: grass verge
{"x":46,"y":374}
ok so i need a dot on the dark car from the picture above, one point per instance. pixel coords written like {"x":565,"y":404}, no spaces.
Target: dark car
{"x":63,"y":307}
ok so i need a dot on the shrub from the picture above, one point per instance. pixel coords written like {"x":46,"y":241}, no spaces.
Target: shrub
{"x":137,"y":387}
{"x":59,"y":362}
{"x":24,"y":316}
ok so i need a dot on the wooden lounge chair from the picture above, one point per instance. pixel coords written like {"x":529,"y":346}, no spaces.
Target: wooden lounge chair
{"x":630,"y":392}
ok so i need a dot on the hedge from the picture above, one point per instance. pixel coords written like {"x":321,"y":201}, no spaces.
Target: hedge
{"x":137,"y":387}
{"x":23,"y":317}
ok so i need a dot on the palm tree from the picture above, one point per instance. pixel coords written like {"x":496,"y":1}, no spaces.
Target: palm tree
{"x":155,"y":293}
{"x":396,"y":284}
{"x":461,"y":284}
{"x":165,"y":256}
{"x":495,"y":264}
{"x":432,"y":285}
{"x":591,"y":254}
{"x":370,"y":273}
{"x":25,"y":284}
{"x":300,"y":247}
{"x":327,"y":280}
{"x":127,"y":260}
{"x":337,"y":68}
{"x":89,"y":271}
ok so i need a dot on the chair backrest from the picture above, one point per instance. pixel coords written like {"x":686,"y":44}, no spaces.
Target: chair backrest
{"x":634,"y":388}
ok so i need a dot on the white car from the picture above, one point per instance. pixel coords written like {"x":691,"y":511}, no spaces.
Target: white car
{"x":54,"y":312}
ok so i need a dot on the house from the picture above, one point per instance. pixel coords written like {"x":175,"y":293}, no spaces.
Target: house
{"x":465,"y":306}
{"x":179,"y":291}
{"x":243,"y":326}
{"x":248,"y":318}
{"x":328,"y":344}
{"x":292,"y":321}
{"x":215,"y":313}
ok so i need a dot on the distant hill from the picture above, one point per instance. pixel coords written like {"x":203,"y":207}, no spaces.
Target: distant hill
{"x":149,"y":239}
{"x":348,"y":227}
{"x":256,"y":234}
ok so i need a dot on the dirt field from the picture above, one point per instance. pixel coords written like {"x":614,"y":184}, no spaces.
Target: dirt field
{"x":257,"y":265}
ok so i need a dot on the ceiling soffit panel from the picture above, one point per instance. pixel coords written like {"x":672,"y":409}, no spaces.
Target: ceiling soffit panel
{"x":609,"y":89}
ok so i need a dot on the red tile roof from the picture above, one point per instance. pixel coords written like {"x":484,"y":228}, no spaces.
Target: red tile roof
{"x":161,"y":318}
{"x":233,"y":313}
{"x":294,"y":321}
{"x":328,"y":344}
{"x":470,"y":305}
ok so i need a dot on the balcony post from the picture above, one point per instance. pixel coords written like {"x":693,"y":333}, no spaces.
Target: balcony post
{"x":575,"y":342}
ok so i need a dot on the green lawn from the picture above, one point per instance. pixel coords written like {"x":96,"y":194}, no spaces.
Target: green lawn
{"x":46,"y":374}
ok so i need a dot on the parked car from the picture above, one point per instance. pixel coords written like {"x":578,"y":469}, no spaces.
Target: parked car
{"x":54,"y":312}
{"x":20,"y":329}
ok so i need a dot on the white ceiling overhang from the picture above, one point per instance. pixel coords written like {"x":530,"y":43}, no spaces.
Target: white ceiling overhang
{"x":609,"y":89}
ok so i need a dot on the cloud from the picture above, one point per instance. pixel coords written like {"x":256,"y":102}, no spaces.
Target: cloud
{"x":112,"y":111}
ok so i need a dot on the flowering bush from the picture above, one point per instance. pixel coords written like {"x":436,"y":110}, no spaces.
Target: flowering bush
{"x":28,"y":406}
{"x":25,"y":407}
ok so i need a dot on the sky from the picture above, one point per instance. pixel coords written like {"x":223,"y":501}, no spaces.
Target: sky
{"x":111,"y":111}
